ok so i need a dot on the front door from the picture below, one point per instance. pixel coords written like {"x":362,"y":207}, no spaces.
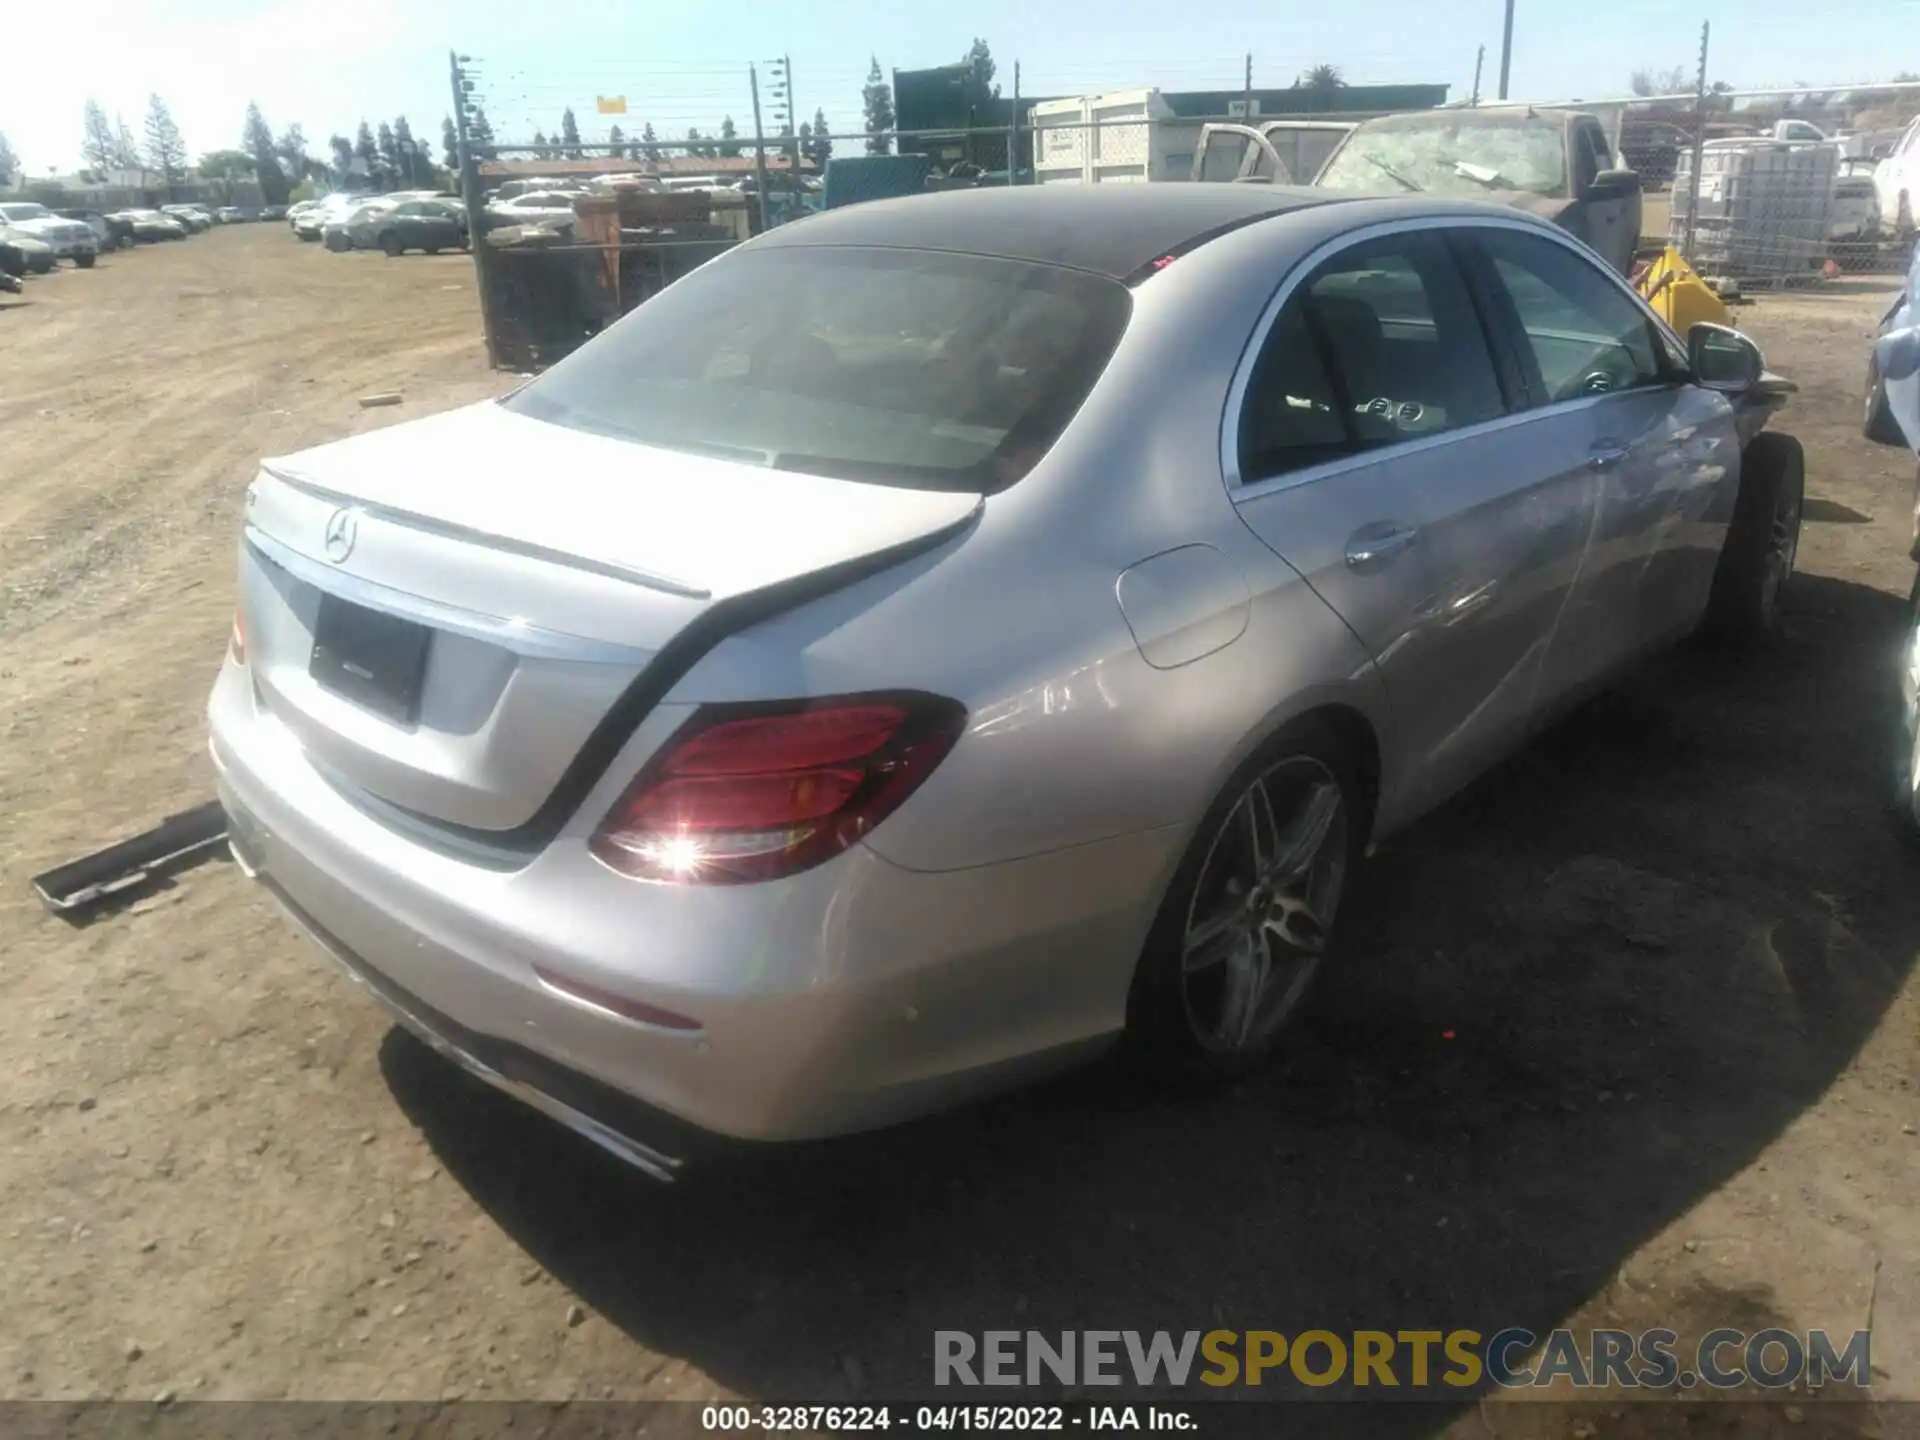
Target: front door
{"x":1613,"y":397}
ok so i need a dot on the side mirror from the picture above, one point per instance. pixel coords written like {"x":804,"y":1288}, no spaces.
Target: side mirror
{"x":1613,"y":185}
{"x":1723,"y":359}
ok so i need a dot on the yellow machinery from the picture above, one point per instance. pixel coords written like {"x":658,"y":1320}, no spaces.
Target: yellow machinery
{"x":1679,"y":296}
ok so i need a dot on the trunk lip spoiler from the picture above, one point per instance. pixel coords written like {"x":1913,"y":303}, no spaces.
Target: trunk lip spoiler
{"x":517,"y":636}
{"x":487,"y":539}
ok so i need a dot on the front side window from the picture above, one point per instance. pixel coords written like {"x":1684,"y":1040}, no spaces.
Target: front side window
{"x":23,"y":210}
{"x":918,"y":369}
{"x":1584,"y":336}
{"x":1380,"y":345}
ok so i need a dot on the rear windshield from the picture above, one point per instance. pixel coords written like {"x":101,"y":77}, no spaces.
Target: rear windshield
{"x":910,"y":368}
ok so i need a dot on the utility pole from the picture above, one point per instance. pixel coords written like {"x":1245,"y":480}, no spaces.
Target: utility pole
{"x":793,"y":115}
{"x":759,"y":148}
{"x":483,"y":256}
{"x":1506,"y":50}
{"x":1699,"y":141}
{"x":1246,"y":102}
{"x":1478,"y":61}
{"x":1013,"y":132}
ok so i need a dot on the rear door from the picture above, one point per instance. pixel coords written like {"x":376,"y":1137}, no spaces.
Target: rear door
{"x":1611,"y":399}
{"x":1373,"y":449}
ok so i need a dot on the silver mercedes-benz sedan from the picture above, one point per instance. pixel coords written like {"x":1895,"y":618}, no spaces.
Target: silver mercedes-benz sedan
{"x":943,"y":637}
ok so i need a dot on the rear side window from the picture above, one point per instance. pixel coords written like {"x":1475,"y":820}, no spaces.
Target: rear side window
{"x":1380,"y":345}
{"x":919,"y":369}
{"x":1584,"y":337}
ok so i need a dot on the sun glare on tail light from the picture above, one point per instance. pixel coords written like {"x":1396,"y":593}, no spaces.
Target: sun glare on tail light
{"x":237,"y":641}
{"x":755,"y":792}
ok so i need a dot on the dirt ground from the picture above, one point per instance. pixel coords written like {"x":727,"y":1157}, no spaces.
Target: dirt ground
{"x":1627,"y":1035}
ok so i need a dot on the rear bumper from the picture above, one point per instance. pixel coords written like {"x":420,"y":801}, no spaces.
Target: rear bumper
{"x":845,"y":998}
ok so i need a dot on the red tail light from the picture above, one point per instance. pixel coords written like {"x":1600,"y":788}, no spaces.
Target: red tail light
{"x":237,"y":641}
{"x":755,"y":792}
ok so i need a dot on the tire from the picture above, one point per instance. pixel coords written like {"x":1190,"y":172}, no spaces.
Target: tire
{"x":433,"y":249}
{"x":1906,"y":772}
{"x":85,"y":262}
{"x":392,"y":244}
{"x":1763,"y":541}
{"x":42,"y":265}
{"x":1877,"y":422}
{"x":1230,"y":958}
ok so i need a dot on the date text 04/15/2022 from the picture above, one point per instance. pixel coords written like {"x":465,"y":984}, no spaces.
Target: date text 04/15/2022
{"x":1006,"y":1419}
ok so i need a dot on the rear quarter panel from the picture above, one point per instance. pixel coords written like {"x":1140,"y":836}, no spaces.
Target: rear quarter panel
{"x":1072,"y":735}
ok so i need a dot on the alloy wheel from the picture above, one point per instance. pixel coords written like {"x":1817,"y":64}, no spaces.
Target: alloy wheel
{"x":1263,"y":906}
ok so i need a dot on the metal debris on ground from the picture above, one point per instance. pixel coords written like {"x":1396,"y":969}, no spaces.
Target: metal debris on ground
{"x":124,"y":868}
{"x":385,"y":397}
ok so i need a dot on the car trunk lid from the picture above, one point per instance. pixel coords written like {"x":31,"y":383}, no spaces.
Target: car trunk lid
{"x":446,"y":611}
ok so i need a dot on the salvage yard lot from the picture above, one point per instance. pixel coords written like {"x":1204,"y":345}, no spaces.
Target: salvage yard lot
{"x":1625,"y":1036}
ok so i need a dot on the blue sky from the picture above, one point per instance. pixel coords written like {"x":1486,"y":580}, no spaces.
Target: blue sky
{"x":326,"y":63}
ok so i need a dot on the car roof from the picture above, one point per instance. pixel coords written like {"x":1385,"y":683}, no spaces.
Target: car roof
{"x":1112,"y":230}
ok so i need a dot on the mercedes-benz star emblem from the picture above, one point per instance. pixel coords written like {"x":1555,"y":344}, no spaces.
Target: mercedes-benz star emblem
{"x":343,"y":528}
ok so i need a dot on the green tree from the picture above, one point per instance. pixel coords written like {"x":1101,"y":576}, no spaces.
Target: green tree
{"x":822,"y":148}
{"x":416,"y":168}
{"x":729,"y":138}
{"x":257,"y":139}
{"x":166,"y":151}
{"x":649,"y":140}
{"x":695,"y":146}
{"x":342,"y":149}
{"x":539,"y":137}
{"x":126,"y":154}
{"x":1672,"y":81}
{"x":876,"y":102}
{"x":480,"y":134}
{"x":1321,"y":77}
{"x":570,"y":135}
{"x":364,"y":150}
{"x":291,"y":148}
{"x":224,"y":169}
{"x":96,"y":139}
{"x":449,"y":145}
{"x":616,"y":142}
{"x":9,"y":162}
{"x":977,"y":85}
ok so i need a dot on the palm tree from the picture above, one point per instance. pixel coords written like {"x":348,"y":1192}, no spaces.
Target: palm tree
{"x":1322,"y":77}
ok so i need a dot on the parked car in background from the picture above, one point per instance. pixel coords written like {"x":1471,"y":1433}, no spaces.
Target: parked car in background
{"x":111,"y":232}
{"x":536,"y":207}
{"x":22,"y":253}
{"x":1552,"y":163}
{"x":1853,"y":232}
{"x":274,"y":212}
{"x":429,"y":225}
{"x":338,"y":233}
{"x":68,"y":239}
{"x":309,"y":218}
{"x":1314,"y":546}
{"x":195,"y":217}
{"x":149,"y":226}
{"x":230,"y":215}
{"x":1896,"y":181}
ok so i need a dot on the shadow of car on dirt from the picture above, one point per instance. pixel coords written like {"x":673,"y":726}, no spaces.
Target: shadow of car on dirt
{"x":1569,"y":1005}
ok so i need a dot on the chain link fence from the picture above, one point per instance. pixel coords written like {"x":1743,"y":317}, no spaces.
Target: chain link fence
{"x":1756,"y":188}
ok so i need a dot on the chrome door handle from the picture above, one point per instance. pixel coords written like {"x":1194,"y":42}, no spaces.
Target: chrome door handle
{"x":1372,"y":547}
{"x":1607,"y":454}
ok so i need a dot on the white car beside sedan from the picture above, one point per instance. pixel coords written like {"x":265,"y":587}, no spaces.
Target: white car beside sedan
{"x":68,"y":239}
